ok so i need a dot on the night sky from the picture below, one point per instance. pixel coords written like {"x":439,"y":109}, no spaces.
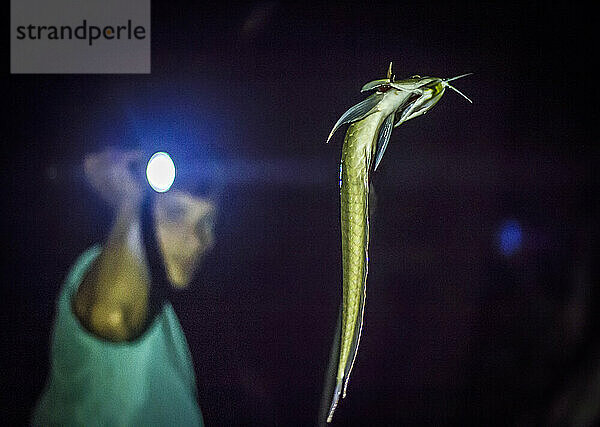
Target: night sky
{"x":484,"y":241}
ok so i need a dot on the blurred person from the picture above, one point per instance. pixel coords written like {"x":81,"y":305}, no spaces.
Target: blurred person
{"x":118,"y":353}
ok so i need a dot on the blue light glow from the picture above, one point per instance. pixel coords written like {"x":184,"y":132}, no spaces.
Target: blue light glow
{"x":510,"y":237}
{"x":160,"y":172}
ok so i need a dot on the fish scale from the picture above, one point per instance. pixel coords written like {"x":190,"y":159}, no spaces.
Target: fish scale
{"x":357,"y":152}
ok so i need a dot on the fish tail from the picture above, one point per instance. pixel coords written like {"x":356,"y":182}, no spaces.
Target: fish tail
{"x":335,"y":400}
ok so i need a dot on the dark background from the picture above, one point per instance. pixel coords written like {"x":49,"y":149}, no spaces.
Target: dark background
{"x":456,"y":330}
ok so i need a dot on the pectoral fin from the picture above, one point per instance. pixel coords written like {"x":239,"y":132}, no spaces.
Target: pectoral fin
{"x":358,"y":112}
{"x":384,"y":137}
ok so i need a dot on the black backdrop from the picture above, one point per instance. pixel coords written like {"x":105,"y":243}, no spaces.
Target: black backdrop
{"x":455,"y":330}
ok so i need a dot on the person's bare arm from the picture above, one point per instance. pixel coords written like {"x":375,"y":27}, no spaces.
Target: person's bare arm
{"x":112,"y":301}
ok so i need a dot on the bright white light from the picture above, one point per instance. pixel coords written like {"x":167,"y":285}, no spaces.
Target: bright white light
{"x":160,"y":172}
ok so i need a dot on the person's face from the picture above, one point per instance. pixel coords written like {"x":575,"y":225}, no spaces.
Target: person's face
{"x":185,"y":233}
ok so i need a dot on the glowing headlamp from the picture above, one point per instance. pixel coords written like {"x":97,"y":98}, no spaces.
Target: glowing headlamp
{"x":160,"y":172}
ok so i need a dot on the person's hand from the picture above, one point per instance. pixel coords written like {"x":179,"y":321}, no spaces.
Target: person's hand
{"x":116,"y":175}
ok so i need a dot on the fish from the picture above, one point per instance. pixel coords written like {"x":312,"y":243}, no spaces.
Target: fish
{"x":391,"y":102}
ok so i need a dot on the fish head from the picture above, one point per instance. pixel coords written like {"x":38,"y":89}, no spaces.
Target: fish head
{"x":418,"y":94}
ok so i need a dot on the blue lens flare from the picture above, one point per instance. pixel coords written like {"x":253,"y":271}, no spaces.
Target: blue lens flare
{"x":510,"y":237}
{"x":160,"y":172}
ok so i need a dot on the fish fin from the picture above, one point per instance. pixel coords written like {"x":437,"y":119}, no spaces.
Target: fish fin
{"x":398,"y":123}
{"x":329,"y":399}
{"x":335,"y":400}
{"x":359,"y":319}
{"x":357,"y":112}
{"x":375,"y":84}
{"x":384,"y":138}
